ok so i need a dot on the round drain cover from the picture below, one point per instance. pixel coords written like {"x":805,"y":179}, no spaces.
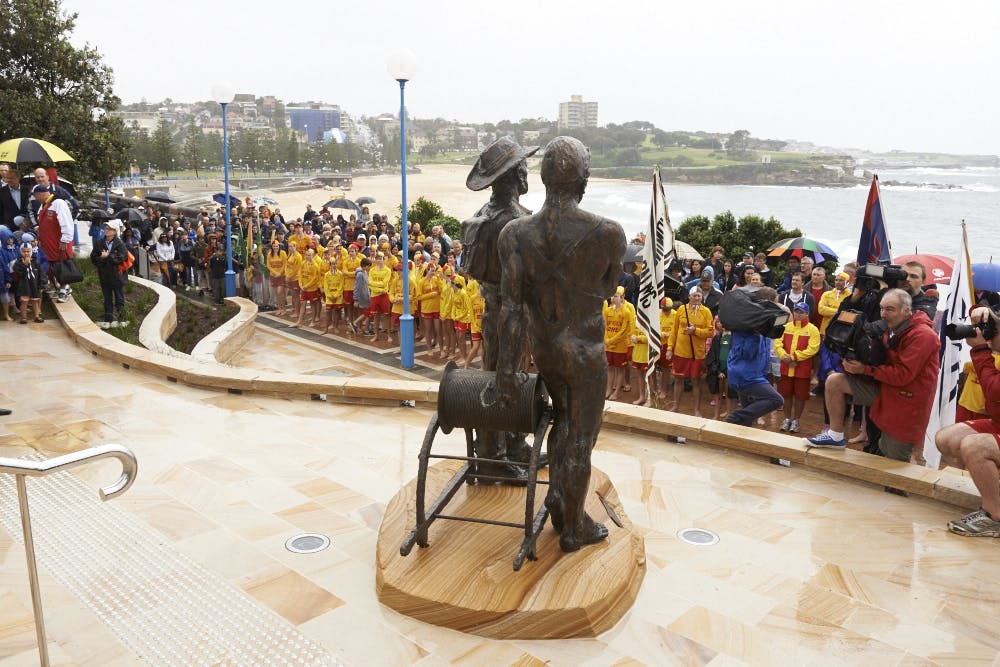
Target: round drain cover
{"x":307,"y":543}
{"x":698,"y":536}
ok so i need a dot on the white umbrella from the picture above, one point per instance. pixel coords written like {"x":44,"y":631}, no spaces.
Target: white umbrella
{"x":685,"y":251}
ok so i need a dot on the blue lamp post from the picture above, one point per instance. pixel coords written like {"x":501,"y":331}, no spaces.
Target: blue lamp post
{"x":223,"y":94}
{"x":402,"y":65}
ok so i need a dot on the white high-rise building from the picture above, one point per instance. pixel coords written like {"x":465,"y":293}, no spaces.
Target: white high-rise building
{"x":577,"y":113}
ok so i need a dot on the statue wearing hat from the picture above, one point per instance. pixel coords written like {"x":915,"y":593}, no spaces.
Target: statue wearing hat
{"x":503,"y":166}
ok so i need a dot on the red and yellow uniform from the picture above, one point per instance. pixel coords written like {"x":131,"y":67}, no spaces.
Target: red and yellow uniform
{"x":347,"y":267}
{"x":276,"y":267}
{"x":666,"y":329}
{"x":333,"y":289}
{"x":310,"y":277}
{"x":618,"y":324}
{"x":640,"y":349}
{"x":799,"y":343}
{"x":477,"y":306}
{"x":446,"y":297}
{"x":689,"y":350}
{"x":378,"y":282}
{"x":461,"y":305}
{"x":429,"y":293}
{"x":293,"y":266}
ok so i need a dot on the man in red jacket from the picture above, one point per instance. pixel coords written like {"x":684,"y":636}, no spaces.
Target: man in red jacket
{"x":975,"y":445}
{"x":899,"y":391}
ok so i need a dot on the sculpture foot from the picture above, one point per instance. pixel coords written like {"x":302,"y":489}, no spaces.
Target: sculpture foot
{"x":592,"y":532}
{"x":514,"y":475}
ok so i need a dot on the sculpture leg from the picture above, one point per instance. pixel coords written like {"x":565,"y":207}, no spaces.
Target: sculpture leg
{"x":577,"y":420}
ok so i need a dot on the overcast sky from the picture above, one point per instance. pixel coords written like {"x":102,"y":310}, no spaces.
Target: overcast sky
{"x":915,"y":75}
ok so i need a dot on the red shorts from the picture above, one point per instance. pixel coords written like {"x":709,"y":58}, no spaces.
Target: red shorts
{"x":640,"y":366}
{"x":292,"y":285}
{"x":430,"y":316}
{"x":476,"y":335}
{"x":663,"y":362}
{"x":964,"y":414}
{"x":310,"y":295}
{"x":277,"y":281}
{"x":688,"y":368}
{"x":616,"y":359}
{"x":348,"y":297}
{"x":986,"y":426}
{"x":461,"y":327}
{"x":334,"y":306}
{"x":797,"y":387}
{"x":380,"y":304}
{"x":395,"y":319}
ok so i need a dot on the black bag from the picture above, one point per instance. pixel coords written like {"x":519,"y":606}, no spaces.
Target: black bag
{"x":67,"y":272}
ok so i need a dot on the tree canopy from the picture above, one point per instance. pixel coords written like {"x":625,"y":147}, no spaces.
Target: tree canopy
{"x":751,"y":232}
{"x":52,"y":90}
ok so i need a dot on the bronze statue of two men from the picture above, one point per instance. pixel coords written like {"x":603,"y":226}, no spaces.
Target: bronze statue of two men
{"x":544,"y":277}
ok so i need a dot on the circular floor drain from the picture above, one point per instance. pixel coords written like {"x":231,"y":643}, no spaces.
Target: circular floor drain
{"x":698,"y":536}
{"x":308,"y":543}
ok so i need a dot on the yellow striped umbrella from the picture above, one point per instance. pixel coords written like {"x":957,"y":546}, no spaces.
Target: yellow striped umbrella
{"x":26,"y":150}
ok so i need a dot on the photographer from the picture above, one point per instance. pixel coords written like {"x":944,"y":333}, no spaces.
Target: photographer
{"x":916,"y":275}
{"x":975,"y":445}
{"x":900,"y":391}
{"x":749,"y":360}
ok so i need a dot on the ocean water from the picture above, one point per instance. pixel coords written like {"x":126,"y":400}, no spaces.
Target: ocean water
{"x":920,"y":217}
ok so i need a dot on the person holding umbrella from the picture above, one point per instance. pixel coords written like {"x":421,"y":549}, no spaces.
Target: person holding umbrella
{"x":107,"y":255}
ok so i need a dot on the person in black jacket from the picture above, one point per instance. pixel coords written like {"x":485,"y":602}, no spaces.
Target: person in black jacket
{"x":107,"y":255}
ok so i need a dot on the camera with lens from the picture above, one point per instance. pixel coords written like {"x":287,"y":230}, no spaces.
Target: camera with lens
{"x":741,"y":310}
{"x":854,"y":336}
{"x":963,"y":331}
{"x":875,"y":277}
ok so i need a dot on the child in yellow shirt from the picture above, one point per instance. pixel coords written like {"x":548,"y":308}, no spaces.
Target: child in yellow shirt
{"x":333,"y":293}
{"x":477,"y":305}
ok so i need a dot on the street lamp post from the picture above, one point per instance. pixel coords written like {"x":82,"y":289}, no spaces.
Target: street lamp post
{"x":402,"y":65}
{"x":223,"y":94}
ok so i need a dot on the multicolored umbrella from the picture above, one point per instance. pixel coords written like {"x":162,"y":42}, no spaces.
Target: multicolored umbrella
{"x":25,"y":150}
{"x":800,"y":247}
{"x":938,"y":267}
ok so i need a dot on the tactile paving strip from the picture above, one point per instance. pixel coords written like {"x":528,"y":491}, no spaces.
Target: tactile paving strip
{"x":164,"y":607}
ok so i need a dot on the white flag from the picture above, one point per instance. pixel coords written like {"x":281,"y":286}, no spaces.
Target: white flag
{"x":656,"y":254}
{"x":958,"y":305}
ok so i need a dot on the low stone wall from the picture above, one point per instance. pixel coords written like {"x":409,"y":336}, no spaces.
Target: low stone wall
{"x":222,"y":344}
{"x":161,"y":321}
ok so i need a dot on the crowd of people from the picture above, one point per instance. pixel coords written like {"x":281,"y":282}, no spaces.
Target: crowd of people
{"x":344,"y":275}
{"x":890,"y":399}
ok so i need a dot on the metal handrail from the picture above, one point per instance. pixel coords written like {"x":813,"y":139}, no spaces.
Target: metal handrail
{"x":22,"y":468}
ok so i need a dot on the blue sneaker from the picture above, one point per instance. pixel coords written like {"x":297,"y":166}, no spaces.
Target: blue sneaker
{"x":824,"y":440}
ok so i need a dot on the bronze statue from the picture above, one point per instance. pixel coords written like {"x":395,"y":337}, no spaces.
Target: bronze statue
{"x":503,"y":166}
{"x":558,"y":266}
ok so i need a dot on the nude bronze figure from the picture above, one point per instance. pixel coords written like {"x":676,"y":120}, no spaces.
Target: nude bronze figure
{"x":558,"y":266}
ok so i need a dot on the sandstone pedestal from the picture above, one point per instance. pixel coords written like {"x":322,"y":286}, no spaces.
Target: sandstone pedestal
{"x":465,"y":580}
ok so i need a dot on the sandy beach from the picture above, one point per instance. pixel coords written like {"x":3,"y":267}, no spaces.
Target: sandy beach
{"x":443,"y":184}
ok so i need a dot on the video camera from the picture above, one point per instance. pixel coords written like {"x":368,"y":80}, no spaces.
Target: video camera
{"x":741,"y":310}
{"x":875,"y":277}
{"x":853,"y":336}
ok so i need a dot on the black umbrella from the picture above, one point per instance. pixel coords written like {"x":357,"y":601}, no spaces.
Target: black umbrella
{"x":100,"y":214}
{"x":365,"y":200}
{"x":93,"y":203}
{"x":160,"y":196}
{"x":220,"y":199}
{"x":131,"y":215}
{"x":341,"y":202}
{"x":633,"y":253}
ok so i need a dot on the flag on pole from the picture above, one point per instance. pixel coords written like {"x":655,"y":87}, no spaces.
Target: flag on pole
{"x":958,"y":305}
{"x":657,"y":252}
{"x":874,"y":244}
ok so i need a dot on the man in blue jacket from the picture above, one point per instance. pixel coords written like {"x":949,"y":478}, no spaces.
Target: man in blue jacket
{"x":748,"y":367}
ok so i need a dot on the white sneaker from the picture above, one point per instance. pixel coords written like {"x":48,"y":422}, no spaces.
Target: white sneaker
{"x":794,"y":426}
{"x":104,"y":325}
{"x":785,"y":425}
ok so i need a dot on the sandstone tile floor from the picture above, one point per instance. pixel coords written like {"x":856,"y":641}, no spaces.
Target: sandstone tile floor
{"x":810,"y":570}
